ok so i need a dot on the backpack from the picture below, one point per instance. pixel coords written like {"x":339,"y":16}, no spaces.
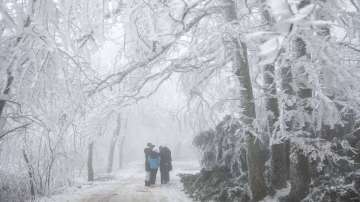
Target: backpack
{"x":154,"y":163}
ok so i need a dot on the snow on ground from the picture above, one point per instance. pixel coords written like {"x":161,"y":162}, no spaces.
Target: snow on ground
{"x":279,"y":194}
{"x":128,"y":186}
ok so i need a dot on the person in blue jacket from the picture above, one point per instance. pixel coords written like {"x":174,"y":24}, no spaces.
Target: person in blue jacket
{"x":154,"y":163}
{"x":147,"y":151}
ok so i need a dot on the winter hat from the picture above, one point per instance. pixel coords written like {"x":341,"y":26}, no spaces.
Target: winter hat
{"x":150,"y":145}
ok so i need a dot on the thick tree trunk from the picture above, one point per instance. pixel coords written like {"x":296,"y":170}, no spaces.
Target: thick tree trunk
{"x":279,"y":151}
{"x":293,"y":101}
{"x":113,"y":144}
{"x":271,"y":100}
{"x":280,"y":164}
{"x":256,"y":168}
{"x":300,"y":167}
{"x":300,"y":176}
{"x":90,"y":168}
{"x":255,"y":151}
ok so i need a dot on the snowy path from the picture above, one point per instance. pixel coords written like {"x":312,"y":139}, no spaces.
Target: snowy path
{"x":129,"y":187}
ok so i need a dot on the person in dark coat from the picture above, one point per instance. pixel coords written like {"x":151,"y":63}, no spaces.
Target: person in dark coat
{"x":165,"y":164}
{"x":154,"y":163}
{"x":147,"y":151}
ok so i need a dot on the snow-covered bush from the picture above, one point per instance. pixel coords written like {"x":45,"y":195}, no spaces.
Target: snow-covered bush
{"x":14,"y":187}
{"x":216,"y":184}
{"x":222,"y":147}
{"x":223,"y":177}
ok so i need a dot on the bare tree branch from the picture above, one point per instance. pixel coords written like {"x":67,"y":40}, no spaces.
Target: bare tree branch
{"x":13,"y":130}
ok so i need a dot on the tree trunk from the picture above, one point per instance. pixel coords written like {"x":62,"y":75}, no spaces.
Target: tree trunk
{"x":271,"y":101}
{"x":279,"y":151}
{"x":121,"y":152}
{"x":113,"y":144}
{"x":299,"y":176}
{"x":300,"y":167}
{"x":31,"y":175}
{"x":255,"y":148}
{"x":177,"y":151}
{"x":255,"y":152}
{"x":111,"y":156}
{"x":256,"y":168}
{"x":90,"y":162}
{"x":280,"y":164}
{"x":6,"y":91}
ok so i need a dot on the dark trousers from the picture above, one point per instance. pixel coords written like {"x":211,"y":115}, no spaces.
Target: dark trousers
{"x":153,"y":173}
{"x":165,"y":176}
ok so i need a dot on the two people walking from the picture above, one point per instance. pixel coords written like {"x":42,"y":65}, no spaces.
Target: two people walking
{"x":156,"y":158}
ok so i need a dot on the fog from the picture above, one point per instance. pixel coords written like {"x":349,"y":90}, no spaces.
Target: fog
{"x":161,"y":119}
{"x":158,"y":119}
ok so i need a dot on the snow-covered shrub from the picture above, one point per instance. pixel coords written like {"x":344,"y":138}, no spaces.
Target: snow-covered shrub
{"x":334,"y":173}
{"x":336,"y":189}
{"x":215,"y":185}
{"x":222,"y":147}
{"x":14,"y":188}
{"x":205,"y":142}
{"x":223,"y":177}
